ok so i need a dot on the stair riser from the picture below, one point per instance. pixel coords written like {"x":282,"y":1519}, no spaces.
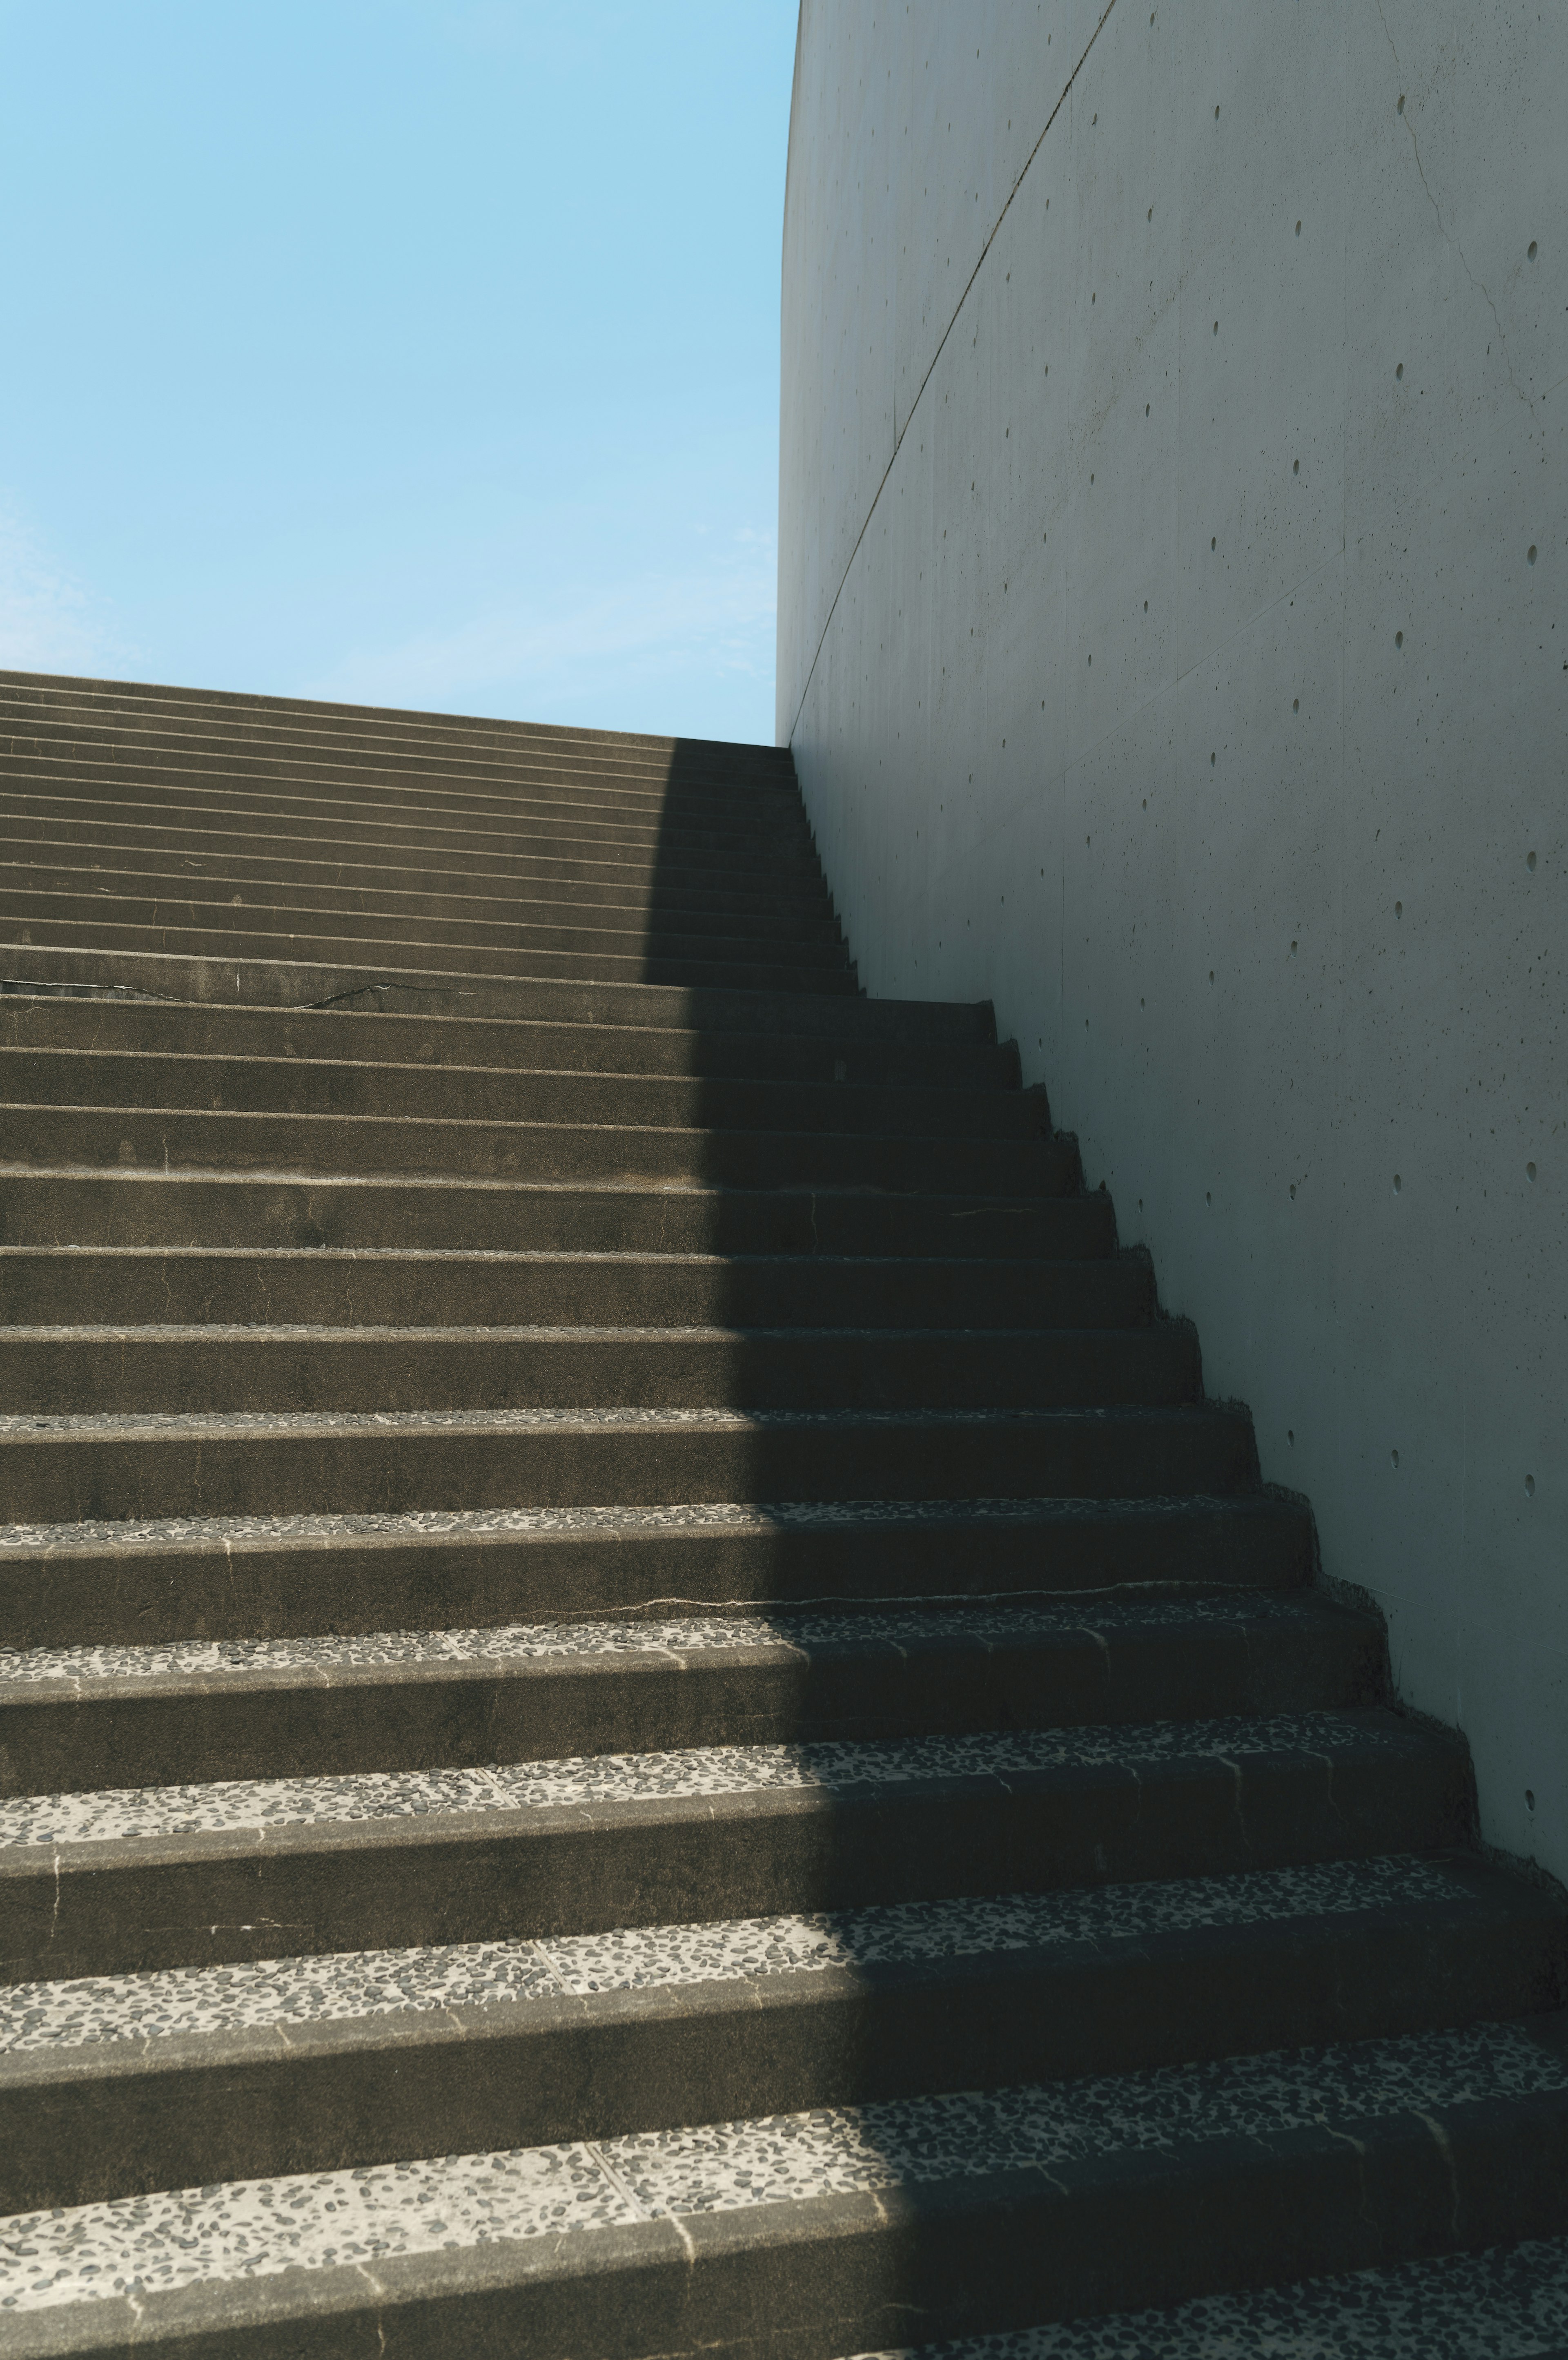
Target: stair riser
{"x":50,"y":1078}
{"x":60,"y":1477}
{"x":345,"y":1037}
{"x":277,"y":984}
{"x":712,"y":969}
{"x":349,"y":1145}
{"x":113,"y":1908}
{"x":185,"y":1289}
{"x":247,"y":818}
{"x":31,"y":890}
{"x":104,"y":1372}
{"x":149,"y":1209}
{"x":162,"y":1731}
{"x":93,"y":2125}
{"x":139,"y":1593}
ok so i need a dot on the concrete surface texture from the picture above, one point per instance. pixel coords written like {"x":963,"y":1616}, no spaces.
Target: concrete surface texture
{"x":1174,"y":650}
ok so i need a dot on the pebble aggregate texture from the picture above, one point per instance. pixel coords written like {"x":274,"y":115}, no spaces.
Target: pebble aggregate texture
{"x":148,"y":1812}
{"x":141,"y":2244}
{"x":76,"y":2012}
{"x":1501,"y":2305}
{"x":769,"y":1756}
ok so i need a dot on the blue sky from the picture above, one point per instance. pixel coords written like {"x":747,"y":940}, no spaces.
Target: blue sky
{"x":416,"y":352}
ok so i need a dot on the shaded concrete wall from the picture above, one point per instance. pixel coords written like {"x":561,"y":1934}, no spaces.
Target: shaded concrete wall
{"x":1175,"y":647}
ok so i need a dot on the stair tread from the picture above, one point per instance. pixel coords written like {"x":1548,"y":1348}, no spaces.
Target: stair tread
{"x":580,"y":2193}
{"x":350,"y":1987}
{"x":777,"y":1632}
{"x":236,"y":1809}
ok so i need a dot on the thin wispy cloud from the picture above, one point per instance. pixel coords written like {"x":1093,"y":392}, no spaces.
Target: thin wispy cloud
{"x":48,"y":622}
{"x":719,"y":620}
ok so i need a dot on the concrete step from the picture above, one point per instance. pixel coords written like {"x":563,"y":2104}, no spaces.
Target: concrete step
{"x":248,"y":815}
{"x":279,"y":1140}
{"x":250,"y":1580}
{"x":57,"y":1469}
{"x":131,"y":1879}
{"x":712,"y":967}
{"x":100,"y":1371}
{"x":548,"y":926}
{"x":185,"y":1286}
{"x":136,"y":845}
{"x":352,"y":1035}
{"x":858,"y":2228}
{"x":37,"y":969}
{"x":421,"y":781}
{"x":134,"y":1206}
{"x":76,"y":889}
{"x":25,"y":846}
{"x":45,"y":701}
{"x":185,"y":2077}
{"x":189,"y":1711}
{"x":330,"y":1083}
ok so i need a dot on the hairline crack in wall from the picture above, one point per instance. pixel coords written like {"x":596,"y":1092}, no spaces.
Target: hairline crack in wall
{"x":1174,"y":648}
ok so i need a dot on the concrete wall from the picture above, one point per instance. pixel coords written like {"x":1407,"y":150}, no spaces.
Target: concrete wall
{"x":1175,"y":646}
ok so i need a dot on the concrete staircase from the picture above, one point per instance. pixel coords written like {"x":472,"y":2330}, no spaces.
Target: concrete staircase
{"x":643,"y":1708}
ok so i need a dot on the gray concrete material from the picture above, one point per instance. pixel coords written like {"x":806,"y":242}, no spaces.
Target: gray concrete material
{"x":450,"y":791}
{"x":455,"y":773}
{"x":133,"y":1206}
{"x":99,"y":1370}
{"x":192,"y":1285}
{"x":609,"y":884}
{"x":124,"y":1882}
{"x":1219,"y":652}
{"x":329,"y":1082}
{"x":86,"y":1583}
{"x":254,"y":818}
{"x":83,"y":843}
{"x":42,"y":2019}
{"x":283,"y":1142}
{"x":711,"y":969}
{"x":948,"y":2216}
{"x":235,"y":714}
{"x":281,"y":983}
{"x":336,"y":918}
{"x":93,"y":1717}
{"x":362,"y":1035}
{"x":530,"y":2066}
{"x":36,"y":886}
{"x":60,"y":1471}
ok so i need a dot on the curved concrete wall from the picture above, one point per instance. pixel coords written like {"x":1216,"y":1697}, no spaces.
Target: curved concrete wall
{"x":1174,"y":648}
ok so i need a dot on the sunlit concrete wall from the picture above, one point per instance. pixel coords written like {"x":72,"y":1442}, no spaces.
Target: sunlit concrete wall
{"x":1174,"y":648}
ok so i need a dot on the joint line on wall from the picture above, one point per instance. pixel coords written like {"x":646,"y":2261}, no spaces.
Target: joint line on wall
{"x":900,"y":433}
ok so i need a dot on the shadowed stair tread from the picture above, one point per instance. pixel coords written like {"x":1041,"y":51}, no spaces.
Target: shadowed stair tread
{"x":1052,"y":2143}
{"x":1507,"y":2304}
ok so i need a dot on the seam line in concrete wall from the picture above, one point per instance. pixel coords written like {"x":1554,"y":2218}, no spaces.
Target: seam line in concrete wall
{"x":900,"y":433}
